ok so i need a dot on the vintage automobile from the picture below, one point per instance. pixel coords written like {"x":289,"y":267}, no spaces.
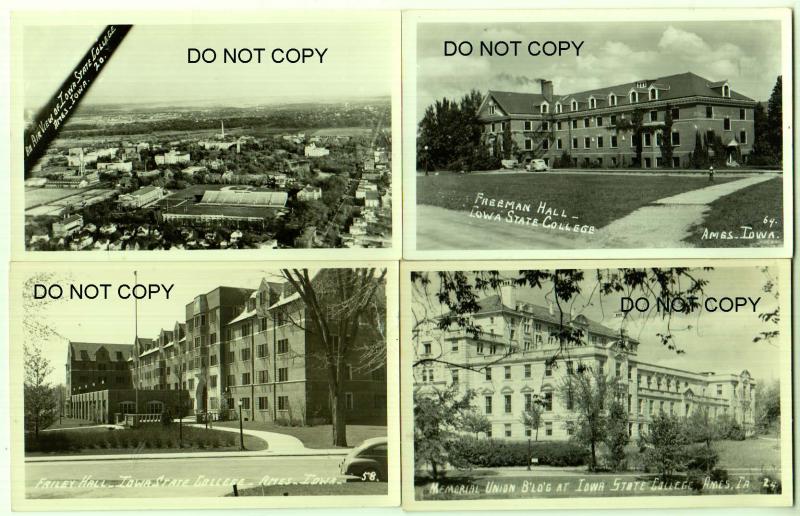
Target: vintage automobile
{"x":367,"y":462}
{"x":537,"y":165}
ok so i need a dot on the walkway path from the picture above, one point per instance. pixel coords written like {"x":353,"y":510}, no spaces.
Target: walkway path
{"x":666,"y":223}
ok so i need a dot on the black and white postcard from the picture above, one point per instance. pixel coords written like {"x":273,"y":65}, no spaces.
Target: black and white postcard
{"x":267,"y":133}
{"x":183,"y":385}
{"x":594,"y":133}
{"x":600,"y":385}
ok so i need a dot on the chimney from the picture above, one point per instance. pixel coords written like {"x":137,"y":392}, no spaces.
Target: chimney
{"x":547,"y":89}
{"x":508,"y":295}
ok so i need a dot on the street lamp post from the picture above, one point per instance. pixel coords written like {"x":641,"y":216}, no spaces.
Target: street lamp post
{"x":241,"y":429}
{"x":426,"y":160}
{"x":529,"y":453}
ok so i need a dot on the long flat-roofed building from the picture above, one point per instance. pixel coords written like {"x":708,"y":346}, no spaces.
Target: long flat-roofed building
{"x":509,"y":368}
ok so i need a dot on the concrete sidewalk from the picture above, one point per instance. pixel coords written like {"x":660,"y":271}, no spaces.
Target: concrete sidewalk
{"x":278,"y":445}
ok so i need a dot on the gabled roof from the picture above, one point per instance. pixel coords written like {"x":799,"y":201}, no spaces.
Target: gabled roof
{"x":493,"y":303}
{"x":670,"y":87}
{"x":93,"y":347}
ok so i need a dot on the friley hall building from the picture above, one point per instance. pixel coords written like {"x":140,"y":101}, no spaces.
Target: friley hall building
{"x":506,"y":365}
{"x":587,"y":126}
{"x":244,"y":349}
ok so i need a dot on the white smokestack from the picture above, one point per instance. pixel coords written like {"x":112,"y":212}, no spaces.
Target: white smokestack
{"x":508,"y":295}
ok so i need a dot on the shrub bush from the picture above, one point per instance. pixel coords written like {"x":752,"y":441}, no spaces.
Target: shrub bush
{"x":701,"y":457}
{"x":491,"y":453}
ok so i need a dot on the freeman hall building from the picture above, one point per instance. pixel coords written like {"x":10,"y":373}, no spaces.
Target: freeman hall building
{"x":507,"y":381}
{"x":235,"y":345}
{"x":584,"y":125}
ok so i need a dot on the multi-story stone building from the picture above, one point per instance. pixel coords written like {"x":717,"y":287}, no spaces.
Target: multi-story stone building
{"x":588,"y":126}
{"x":95,"y":366}
{"x":507,"y":364}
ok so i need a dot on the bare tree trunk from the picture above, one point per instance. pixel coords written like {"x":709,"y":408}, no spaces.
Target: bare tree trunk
{"x":594,"y":456}
{"x":338,"y":425}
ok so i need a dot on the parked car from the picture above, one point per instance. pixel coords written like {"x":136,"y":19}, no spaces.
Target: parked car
{"x":537,"y":165}
{"x":367,"y":462}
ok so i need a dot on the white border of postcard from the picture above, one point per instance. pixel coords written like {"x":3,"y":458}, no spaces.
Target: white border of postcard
{"x":22,"y":18}
{"x":19,"y":272}
{"x":644,"y":502}
{"x":412,"y":18}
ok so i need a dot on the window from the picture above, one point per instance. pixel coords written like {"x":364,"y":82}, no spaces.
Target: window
{"x":528,"y":144}
{"x":574,"y":143}
{"x":676,"y":113}
{"x":654,"y":116}
{"x":613,"y":141}
{"x":653,"y":94}
{"x":612,"y":100}
{"x":488,"y":373}
{"x":726,"y":91}
{"x":587,"y":142}
{"x":742,"y":136}
{"x":507,"y":429}
{"x":586,"y":122}
{"x":454,"y":374}
{"x":507,"y":372}
{"x":599,"y":121}
{"x":558,"y":125}
{"x":283,"y":374}
{"x":675,"y":138}
{"x":527,"y":370}
{"x":487,"y":400}
{"x":245,"y":378}
{"x":742,"y":114}
{"x":599,"y":142}
{"x":545,"y":125}
{"x":283,"y":345}
{"x":592,"y":103}
{"x":507,"y":403}
{"x":479,"y":348}
{"x":212,"y":380}
{"x":348,"y":371}
{"x":283,"y":402}
{"x":726,"y":124}
{"x":245,"y":403}
{"x":548,"y":369}
{"x":262,"y":403}
{"x":544,"y":108}
{"x":709,"y":112}
{"x":574,"y":105}
{"x":548,"y":428}
{"x":348,"y":401}
{"x":574,"y":126}
{"x":245,"y":354}
{"x":559,"y":144}
{"x":646,"y":139}
{"x":634,"y":97}
{"x":719,"y":390}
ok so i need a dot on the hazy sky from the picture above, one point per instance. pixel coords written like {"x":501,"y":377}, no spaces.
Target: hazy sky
{"x":748,"y":54}
{"x":712,"y":341}
{"x":112,"y":321}
{"x":150,"y":66}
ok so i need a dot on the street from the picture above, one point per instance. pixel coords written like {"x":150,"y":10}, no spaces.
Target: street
{"x":174,"y":477}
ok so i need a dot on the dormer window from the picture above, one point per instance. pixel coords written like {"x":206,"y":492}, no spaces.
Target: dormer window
{"x":592,"y":103}
{"x":544,"y":108}
{"x":574,"y":105}
{"x":641,"y":84}
{"x":491,"y":109}
{"x":612,"y":100}
{"x":726,"y":90}
{"x":634,"y":97}
{"x":559,"y":107}
{"x":653,"y":94}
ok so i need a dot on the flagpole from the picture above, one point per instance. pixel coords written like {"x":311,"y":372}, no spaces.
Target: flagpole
{"x":135,"y":346}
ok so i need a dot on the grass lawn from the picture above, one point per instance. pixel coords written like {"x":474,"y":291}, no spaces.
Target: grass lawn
{"x":318,"y":437}
{"x":751,"y":453}
{"x":349,"y":488}
{"x":746,"y":207}
{"x":596,"y":199}
{"x":69,"y":422}
{"x":154,"y":438}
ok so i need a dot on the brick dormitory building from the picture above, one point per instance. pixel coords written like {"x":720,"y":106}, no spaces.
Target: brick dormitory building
{"x":506,"y":381}
{"x":587,"y":126}
{"x":235,"y":345}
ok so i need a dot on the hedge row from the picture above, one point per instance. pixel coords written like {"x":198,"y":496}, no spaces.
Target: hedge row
{"x":153,"y":436}
{"x":491,"y":453}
